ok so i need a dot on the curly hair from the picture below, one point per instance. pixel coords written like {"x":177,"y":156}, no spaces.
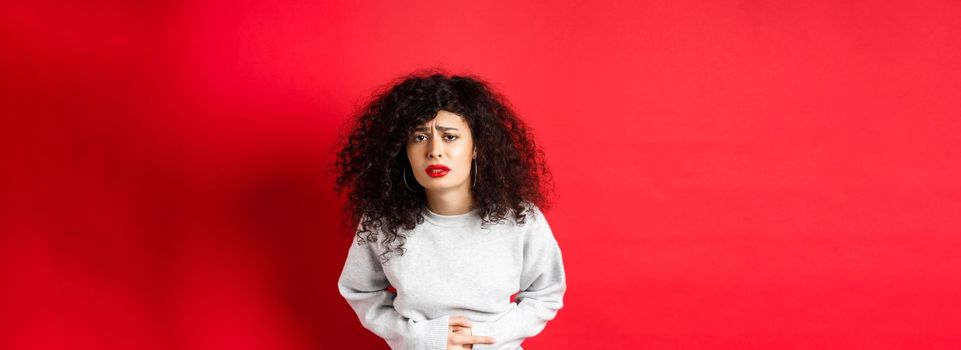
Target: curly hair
{"x":512,"y":176}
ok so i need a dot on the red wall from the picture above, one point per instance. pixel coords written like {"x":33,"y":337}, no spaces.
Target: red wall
{"x":758,"y":175}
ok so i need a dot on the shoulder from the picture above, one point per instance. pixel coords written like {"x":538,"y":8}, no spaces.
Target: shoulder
{"x":535,"y":226}
{"x":367,"y":233}
{"x":532,"y":214}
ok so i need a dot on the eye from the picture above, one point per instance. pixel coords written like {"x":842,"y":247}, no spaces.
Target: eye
{"x":451,"y":137}
{"x":419,"y":138}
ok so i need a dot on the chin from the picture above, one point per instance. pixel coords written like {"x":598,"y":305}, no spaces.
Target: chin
{"x":441,"y":185}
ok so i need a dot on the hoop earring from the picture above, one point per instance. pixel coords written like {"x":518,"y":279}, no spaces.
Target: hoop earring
{"x":476,"y":170}
{"x":405,"y":181}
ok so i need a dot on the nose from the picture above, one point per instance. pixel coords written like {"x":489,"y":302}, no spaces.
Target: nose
{"x":434,"y":149}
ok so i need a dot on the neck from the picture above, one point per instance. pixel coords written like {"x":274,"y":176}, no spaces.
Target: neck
{"x":451,"y":202}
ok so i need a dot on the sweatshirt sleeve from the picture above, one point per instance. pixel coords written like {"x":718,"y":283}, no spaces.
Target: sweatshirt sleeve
{"x":364,"y":285}
{"x":543,"y":284}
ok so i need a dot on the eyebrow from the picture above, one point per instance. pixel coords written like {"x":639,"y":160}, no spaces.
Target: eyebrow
{"x":441,"y":128}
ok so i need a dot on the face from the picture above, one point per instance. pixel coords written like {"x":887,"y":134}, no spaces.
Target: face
{"x":440,"y":152}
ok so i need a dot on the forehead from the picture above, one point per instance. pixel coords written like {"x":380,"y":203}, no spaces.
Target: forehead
{"x":448,"y":119}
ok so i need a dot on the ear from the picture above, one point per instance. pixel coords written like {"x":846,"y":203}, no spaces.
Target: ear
{"x":475,"y":153}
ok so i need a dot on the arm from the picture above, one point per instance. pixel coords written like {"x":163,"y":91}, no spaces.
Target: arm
{"x":363,"y":284}
{"x":543,"y":285}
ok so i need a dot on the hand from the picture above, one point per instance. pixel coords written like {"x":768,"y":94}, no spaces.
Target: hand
{"x":460,"y":330}
{"x":460,"y":336}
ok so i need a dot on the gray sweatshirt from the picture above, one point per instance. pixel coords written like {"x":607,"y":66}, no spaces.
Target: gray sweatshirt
{"x":454,"y":267}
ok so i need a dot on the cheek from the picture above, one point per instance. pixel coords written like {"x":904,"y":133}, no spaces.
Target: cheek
{"x":415,"y":163}
{"x":411,"y":151}
{"x":464,"y":155}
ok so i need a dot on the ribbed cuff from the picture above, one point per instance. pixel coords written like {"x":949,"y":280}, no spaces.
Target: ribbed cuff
{"x":435,"y":334}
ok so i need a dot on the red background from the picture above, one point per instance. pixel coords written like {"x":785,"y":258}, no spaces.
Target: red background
{"x":749,"y":174}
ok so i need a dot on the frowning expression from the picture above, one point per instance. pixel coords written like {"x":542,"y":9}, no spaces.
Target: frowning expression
{"x":440,"y":152}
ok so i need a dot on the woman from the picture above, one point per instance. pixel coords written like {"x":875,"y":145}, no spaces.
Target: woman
{"x":445,"y":183}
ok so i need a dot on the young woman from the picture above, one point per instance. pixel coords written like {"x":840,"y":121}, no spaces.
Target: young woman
{"x":446,"y":185}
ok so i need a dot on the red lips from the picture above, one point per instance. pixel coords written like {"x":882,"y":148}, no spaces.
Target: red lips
{"x":437,"y":170}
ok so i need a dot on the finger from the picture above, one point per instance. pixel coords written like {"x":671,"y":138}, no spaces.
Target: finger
{"x":466,"y":339}
{"x":459,"y":321}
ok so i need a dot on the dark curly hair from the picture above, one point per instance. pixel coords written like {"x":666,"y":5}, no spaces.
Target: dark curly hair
{"x":372,"y":159}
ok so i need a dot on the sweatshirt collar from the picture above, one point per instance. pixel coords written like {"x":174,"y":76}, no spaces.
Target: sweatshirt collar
{"x":450,"y":220}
